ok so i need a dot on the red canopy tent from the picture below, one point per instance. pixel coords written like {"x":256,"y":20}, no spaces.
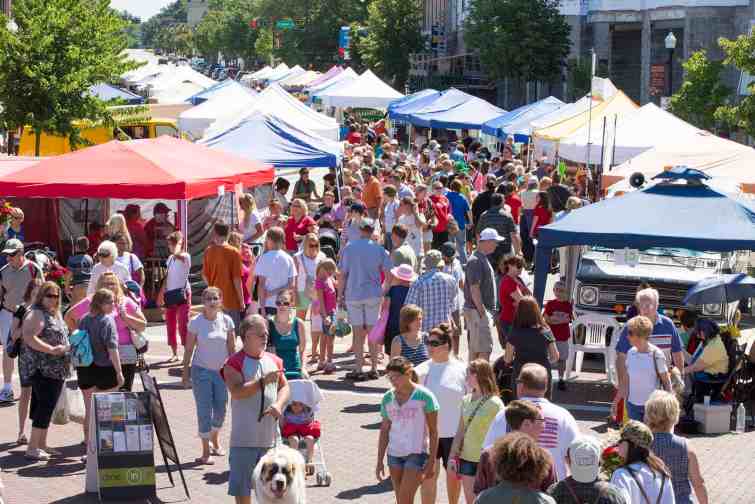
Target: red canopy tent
{"x":162,"y":168}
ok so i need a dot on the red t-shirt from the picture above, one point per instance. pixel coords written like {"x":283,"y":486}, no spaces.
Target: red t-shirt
{"x":354,"y":138}
{"x":294,"y":228}
{"x":544,"y":217}
{"x":442,"y":212}
{"x":563,"y":309}
{"x":515,"y":203}
{"x":508,"y":305}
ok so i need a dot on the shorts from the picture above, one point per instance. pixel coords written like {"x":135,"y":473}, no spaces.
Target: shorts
{"x":563,"y":350}
{"x":444,"y":449}
{"x":414,"y":461}
{"x":364,"y":313}
{"x":467,"y":468}
{"x":427,"y":236}
{"x":304,"y":301}
{"x":480,"y":331}
{"x":316,"y":324}
{"x":6,"y":323}
{"x":102,"y":377}
{"x":242,"y":460}
{"x":302,"y":430}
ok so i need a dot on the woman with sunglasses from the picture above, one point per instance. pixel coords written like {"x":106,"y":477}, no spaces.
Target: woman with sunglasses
{"x":287,"y":336}
{"x":446,"y":377}
{"x":107,"y":253}
{"x":306,"y":262}
{"x":210,"y":341}
{"x":25,"y":370}
{"x":46,"y":364}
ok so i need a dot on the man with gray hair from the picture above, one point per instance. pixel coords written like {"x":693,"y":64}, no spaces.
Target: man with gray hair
{"x":435,"y":292}
{"x":664,"y":336}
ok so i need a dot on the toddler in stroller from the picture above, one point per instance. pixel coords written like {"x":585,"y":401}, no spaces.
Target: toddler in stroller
{"x":301,"y":431}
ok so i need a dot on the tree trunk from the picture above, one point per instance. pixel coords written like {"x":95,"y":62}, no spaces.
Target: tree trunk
{"x":37,"y":141}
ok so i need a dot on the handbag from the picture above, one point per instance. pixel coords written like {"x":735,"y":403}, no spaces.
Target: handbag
{"x":60,"y":414}
{"x":14,"y":349}
{"x":141,"y":344}
{"x":377,"y":333}
{"x":657,"y":374}
{"x":175,"y":297}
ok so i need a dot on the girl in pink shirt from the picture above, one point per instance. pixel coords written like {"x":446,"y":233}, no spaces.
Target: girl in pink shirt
{"x":323,"y":314}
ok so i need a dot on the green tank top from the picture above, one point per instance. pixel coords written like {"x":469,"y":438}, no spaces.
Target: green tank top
{"x":287,"y":348}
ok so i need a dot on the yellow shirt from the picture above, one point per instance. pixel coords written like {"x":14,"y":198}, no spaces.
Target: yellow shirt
{"x":715,"y":357}
{"x":478,"y":429}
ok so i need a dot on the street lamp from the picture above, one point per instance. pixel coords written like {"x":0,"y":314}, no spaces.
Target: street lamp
{"x":670,"y":42}
{"x":12,"y":26}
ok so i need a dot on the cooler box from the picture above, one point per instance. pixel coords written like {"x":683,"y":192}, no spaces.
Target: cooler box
{"x":714,"y":419}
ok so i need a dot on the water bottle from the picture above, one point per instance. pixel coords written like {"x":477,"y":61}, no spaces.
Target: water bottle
{"x":740,"y":419}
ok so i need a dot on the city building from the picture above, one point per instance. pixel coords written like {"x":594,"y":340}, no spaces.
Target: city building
{"x":196,"y":10}
{"x":630,"y":38}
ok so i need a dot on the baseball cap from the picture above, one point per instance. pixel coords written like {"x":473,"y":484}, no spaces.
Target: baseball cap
{"x":367,"y":223}
{"x":584,"y":458}
{"x":638,"y":434}
{"x":448,"y":249}
{"x":433,"y":259}
{"x":490,"y":234}
{"x":12,"y":246}
{"x":161,"y":208}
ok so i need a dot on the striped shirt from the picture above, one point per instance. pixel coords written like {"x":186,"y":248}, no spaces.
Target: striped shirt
{"x":435,"y":292}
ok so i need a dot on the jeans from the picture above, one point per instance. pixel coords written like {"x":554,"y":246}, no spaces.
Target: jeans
{"x":635,"y":412}
{"x":460,"y":239}
{"x":211,"y":397}
{"x":177,"y":317}
{"x":525,"y":223}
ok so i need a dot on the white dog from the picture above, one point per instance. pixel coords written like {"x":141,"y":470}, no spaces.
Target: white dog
{"x":279,"y":477}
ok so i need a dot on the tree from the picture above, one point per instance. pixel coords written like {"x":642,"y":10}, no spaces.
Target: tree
{"x":579,"y":77}
{"x":208,"y":35}
{"x":393,"y":33}
{"x":263,"y":47}
{"x":527,"y":40}
{"x":154,"y":30}
{"x":741,"y":54}
{"x":702,"y":92}
{"x":60,"y":49}
{"x":133,"y":29}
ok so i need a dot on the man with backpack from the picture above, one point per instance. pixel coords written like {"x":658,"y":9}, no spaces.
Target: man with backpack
{"x":14,"y":278}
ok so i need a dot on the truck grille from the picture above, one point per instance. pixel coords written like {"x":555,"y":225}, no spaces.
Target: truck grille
{"x":623,"y":293}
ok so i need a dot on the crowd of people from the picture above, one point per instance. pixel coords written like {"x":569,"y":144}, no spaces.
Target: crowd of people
{"x":415,"y":254}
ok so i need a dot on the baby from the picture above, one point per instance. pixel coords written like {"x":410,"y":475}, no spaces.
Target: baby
{"x":297,"y":423}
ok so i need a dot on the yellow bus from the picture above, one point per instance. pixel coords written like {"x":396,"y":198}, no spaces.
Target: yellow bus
{"x":53,"y":145}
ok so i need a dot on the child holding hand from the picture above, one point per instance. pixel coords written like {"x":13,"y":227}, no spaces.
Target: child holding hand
{"x":559,"y":313}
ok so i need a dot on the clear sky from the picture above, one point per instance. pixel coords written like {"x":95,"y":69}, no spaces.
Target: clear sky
{"x":144,"y":9}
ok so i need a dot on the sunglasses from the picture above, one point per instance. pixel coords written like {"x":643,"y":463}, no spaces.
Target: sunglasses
{"x":104,"y":254}
{"x":14,"y":254}
{"x":435,"y":343}
{"x":52,"y":296}
{"x":283,"y":303}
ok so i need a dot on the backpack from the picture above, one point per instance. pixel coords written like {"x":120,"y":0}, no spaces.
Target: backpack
{"x":81,"y":349}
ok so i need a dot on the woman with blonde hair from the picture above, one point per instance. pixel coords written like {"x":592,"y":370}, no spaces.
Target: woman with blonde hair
{"x":661,"y":415}
{"x":117,"y":224}
{"x":478,"y":410}
{"x":306,"y":261}
{"x":299,"y":224}
{"x":250,"y":225}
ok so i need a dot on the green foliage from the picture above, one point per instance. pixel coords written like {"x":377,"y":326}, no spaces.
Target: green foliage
{"x":225,"y":28}
{"x":702,"y":92}
{"x":741,"y":54}
{"x":393,"y":34}
{"x":527,"y":40}
{"x":61,"y":48}
{"x":579,"y":77}
{"x":133,"y":29}
{"x":154,"y":31}
{"x":264,"y":45}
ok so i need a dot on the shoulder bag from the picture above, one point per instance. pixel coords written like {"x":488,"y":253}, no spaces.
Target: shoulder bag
{"x":483,"y":400}
{"x":174,"y":297}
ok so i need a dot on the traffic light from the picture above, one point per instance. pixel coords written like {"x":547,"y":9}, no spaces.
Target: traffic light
{"x":254,"y":23}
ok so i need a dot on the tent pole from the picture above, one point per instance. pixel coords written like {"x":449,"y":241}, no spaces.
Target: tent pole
{"x":613,"y":150}
{"x":86,"y":217}
{"x":599,"y":176}
{"x":589,"y":118}
{"x":183,"y":221}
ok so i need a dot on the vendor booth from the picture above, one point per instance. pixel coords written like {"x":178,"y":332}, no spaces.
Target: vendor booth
{"x":400,"y":109}
{"x":109,"y":93}
{"x":334,"y":70}
{"x":518,"y":122}
{"x":455,"y":110}
{"x":681,"y":212}
{"x":222,"y":105}
{"x":224,"y":88}
{"x":366,"y":91}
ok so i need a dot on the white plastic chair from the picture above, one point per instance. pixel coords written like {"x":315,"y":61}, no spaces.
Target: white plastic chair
{"x":596,"y":329}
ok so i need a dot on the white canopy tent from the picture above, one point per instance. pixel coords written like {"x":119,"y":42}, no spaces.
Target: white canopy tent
{"x":343,"y":78}
{"x":299,"y":80}
{"x":716,"y":156}
{"x":262,"y":71}
{"x":626,"y":135}
{"x":278,"y":72}
{"x":292,"y":72}
{"x":276,"y":101}
{"x":224,"y":104}
{"x":366,"y":91}
{"x":176,"y":93}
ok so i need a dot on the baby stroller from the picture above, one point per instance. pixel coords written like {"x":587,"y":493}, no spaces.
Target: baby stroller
{"x":330,"y":242}
{"x":308,"y":393}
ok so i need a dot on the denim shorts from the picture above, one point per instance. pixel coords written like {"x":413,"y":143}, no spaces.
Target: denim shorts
{"x":414,"y":461}
{"x":242,"y":461}
{"x":467,"y":468}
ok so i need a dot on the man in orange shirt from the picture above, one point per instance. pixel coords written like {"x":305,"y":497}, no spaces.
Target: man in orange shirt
{"x":221,"y":268}
{"x":373,"y":194}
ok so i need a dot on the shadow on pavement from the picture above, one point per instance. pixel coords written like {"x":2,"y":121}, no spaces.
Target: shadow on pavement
{"x":361,"y":408}
{"x":350,"y":386}
{"x":357,"y":493}
{"x":372,"y":426}
{"x":216,"y":478}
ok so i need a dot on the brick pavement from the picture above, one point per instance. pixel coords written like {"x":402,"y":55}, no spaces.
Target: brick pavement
{"x":350,"y":422}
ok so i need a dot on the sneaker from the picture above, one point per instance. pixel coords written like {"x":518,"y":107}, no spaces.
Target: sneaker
{"x":6,"y":396}
{"x":37,"y":455}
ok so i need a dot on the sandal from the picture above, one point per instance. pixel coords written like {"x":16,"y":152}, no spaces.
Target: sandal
{"x":217,"y":451}
{"x":204,"y":461}
{"x":373,"y":375}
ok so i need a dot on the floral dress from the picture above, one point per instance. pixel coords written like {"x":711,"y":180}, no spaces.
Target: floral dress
{"x":32,"y":361}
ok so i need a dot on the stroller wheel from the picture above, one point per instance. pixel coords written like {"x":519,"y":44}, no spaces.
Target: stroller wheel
{"x":327,"y":480}
{"x":319,"y":479}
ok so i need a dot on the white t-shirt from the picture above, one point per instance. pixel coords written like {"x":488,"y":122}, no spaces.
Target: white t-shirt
{"x":307,"y":269}
{"x":389,"y":214}
{"x":643,"y":379}
{"x":558,"y":433}
{"x":277,"y":268}
{"x":250,"y":229}
{"x":447,"y":380}
{"x":130,"y":261}
{"x":651,"y":483}
{"x":211,"y":351}
{"x":120,"y":271}
{"x":178,"y":272}
{"x":414,"y":238}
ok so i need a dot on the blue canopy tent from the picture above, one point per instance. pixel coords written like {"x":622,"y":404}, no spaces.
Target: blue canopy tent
{"x":455,"y":110}
{"x":401,"y":108}
{"x":269,"y":139}
{"x":107,"y":92}
{"x":518,"y":121}
{"x":687,"y":215}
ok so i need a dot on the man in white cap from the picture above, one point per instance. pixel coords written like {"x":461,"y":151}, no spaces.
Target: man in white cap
{"x":583,"y":458}
{"x":14,"y":278}
{"x":481,"y":296}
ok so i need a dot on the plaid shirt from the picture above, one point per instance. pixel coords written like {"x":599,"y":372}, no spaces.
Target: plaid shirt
{"x":435,"y":292}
